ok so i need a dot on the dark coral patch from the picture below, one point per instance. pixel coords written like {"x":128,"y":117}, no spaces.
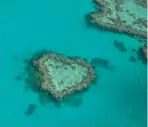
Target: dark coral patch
{"x":119,"y":46}
{"x":142,"y":55}
{"x":132,"y":59}
{"x":30,"y":110}
{"x":102,"y":63}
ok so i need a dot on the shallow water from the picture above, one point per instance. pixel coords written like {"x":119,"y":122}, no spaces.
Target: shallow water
{"x":118,"y":99}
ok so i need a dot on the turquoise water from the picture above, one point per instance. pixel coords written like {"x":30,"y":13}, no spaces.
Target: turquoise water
{"x":117,"y":100}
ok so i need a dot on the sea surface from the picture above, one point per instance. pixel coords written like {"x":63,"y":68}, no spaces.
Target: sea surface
{"x":118,"y":99}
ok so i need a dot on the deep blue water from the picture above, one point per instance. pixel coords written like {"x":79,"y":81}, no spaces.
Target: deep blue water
{"x":26,"y":26}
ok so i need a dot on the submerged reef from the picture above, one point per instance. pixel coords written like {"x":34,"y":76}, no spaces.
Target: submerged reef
{"x":132,"y":59}
{"x":102,"y":63}
{"x":119,"y":45}
{"x":142,"y":3}
{"x":30,"y":110}
{"x":144,"y":51}
{"x":142,"y":54}
{"x":60,"y":76}
{"x":122,"y":16}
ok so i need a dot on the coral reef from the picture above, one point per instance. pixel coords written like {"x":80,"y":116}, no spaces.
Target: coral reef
{"x":59,"y":75}
{"x":132,"y":59}
{"x":142,"y":54}
{"x":31,"y":108}
{"x":122,"y":16}
{"x":142,"y":3}
{"x":99,"y":61}
{"x":120,"y":46}
{"x":144,"y":51}
{"x":102,"y":63}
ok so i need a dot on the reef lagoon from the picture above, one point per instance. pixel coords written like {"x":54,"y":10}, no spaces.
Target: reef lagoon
{"x":118,"y":96}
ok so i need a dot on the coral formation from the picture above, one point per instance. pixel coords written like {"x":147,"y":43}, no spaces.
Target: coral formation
{"x":61,"y":76}
{"x":102,"y":63}
{"x":142,"y":54}
{"x":31,"y":108}
{"x":144,"y":51}
{"x":132,"y":59}
{"x":122,"y":16}
{"x":142,"y":3}
{"x":99,"y":61}
{"x":120,"y":46}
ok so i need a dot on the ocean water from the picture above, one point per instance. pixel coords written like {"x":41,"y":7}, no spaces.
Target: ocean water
{"x":118,"y":99}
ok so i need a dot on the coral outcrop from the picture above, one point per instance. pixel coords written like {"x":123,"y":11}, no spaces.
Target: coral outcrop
{"x":31,"y":108}
{"x":144,"y":51}
{"x":61,"y":76}
{"x":122,"y":16}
